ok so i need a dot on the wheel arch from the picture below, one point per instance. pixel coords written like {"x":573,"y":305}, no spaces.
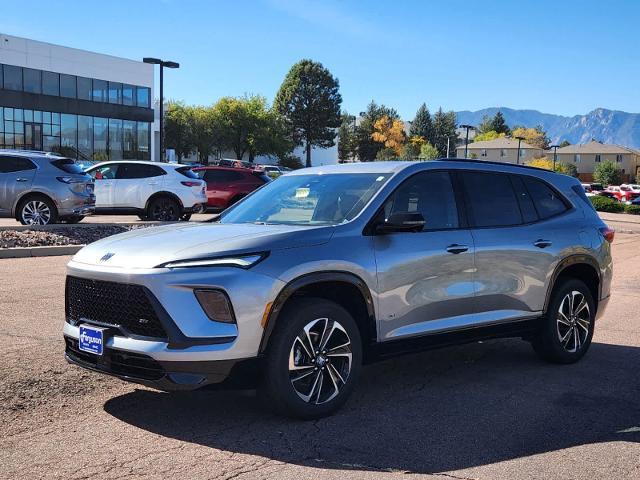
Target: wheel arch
{"x":337,"y":286}
{"x":31,"y":193}
{"x":163,"y":193}
{"x":583,"y":267}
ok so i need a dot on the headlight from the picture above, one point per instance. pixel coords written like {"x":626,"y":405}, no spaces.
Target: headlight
{"x":240,"y":261}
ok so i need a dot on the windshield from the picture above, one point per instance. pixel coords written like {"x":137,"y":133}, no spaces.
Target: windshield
{"x":308,"y":199}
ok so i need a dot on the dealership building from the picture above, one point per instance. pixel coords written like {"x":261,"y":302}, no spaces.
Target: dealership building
{"x":85,"y":105}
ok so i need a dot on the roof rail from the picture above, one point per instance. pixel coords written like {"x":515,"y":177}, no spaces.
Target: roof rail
{"x":490,"y":162}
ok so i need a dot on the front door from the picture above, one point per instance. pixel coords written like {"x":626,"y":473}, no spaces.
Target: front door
{"x":16,"y":177}
{"x":33,"y":136}
{"x":105,"y":182}
{"x":135,"y":183}
{"x":425,"y":279}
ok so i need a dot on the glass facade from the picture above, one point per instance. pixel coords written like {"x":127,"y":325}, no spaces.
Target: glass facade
{"x":75,"y":136}
{"x":91,"y":132}
{"x":70,"y":86}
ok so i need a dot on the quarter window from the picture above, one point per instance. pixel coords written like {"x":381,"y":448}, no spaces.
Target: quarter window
{"x":429,"y":193}
{"x":547,"y":201}
{"x":492,"y":200}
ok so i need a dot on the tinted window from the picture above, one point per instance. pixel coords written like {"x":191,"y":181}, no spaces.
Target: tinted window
{"x":580,"y":191}
{"x":32,"y":80}
{"x":15,"y":164}
{"x":492,"y":201}
{"x":51,"y":83}
{"x":524,"y":199}
{"x":107,"y":172}
{"x":67,"y":86}
{"x":138,"y":170}
{"x":187,"y":172}
{"x":67,"y":165}
{"x":84,"y":88}
{"x":99,"y":91}
{"x":12,"y":77}
{"x":128,"y":92}
{"x":115,"y":92}
{"x":142,"y":97}
{"x":431,"y":194}
{"x":547,"y":202}
{"x":221,"y":176}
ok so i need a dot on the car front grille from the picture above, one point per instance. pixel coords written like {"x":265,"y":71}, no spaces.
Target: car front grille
{"x":117,"y":362}
{"x":123,"y":306}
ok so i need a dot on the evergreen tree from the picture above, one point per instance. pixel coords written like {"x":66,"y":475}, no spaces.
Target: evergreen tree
{"x":444,"y":127}
{"x":422,"y":124}
{"x":366,"y":148}
{"x":347,"y":138}
{"x":498,"y":124}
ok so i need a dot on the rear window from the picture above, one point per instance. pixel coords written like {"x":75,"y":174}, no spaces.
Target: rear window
{"x":548,"y":203}
{"x":187,"y":172}
{"x":67,"y":165}
{"x":493,"y":202}
{"x":262,"y":176}
{"x":220,"y":176}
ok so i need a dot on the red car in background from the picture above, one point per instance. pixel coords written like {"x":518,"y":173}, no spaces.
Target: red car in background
{"x":227,"y":185}
{"x":622,"y":193}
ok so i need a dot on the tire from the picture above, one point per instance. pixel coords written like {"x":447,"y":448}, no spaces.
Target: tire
{"x":292,"y":392}
{"x":37,"y":210}
{"x":164,"y":209}
{"x":571,"y":311}
{"x":143,"y":217}
{"x":185,"y":217}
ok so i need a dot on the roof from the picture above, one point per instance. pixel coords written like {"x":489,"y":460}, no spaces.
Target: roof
{"x":360,"y":167}
{"x":142,"y":162}
{"x":596,"y":147}
{"x":29,"y":153}
{"x":502,"y":142}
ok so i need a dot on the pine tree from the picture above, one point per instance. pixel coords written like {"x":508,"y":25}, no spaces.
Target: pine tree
{"x":444,"y":127}
{"x":422,"y":125}
{"x":366,"y":148}
{"x":498,"y":124}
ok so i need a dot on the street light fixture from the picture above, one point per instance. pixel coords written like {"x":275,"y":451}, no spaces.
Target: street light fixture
{"x":555,"y":155}
{"x":518,"y":152}
{"x":466,"y":140}
{"x":163,"y":64}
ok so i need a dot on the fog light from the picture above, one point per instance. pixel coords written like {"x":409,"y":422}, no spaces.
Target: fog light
{"x":216,"y":305}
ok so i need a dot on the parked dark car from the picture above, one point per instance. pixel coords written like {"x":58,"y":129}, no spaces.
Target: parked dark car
{"x":227,"y":185}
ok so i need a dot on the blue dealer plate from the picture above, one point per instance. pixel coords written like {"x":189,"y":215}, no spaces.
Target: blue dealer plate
{"x":91,"y":339}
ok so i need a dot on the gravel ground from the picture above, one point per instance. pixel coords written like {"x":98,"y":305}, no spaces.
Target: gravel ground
{"x":61,"y":236}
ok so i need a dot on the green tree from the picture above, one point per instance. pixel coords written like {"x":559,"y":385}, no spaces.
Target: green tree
{"x":347,"y":138}
{"x":422,"y":124}
{"x":178,"y":125}
{"x":444,"y":127}
{"x":428,"y":152}
{"x":486,"y":125}
{"x":410,"y":151}
{"x":567,"y":168}
{"x":564,"y":143}
{"x":309,"y":99}
{"x":289,"y":160}
{"x":386,"y":153}
{"x":367,"y":148}
{"x":205,"y":132}
{"x":499,"y":125}
{"x":607,"y":173}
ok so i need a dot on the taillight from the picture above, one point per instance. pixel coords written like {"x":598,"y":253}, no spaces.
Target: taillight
{"x":608,"y":233}
{"x":191,"y":184}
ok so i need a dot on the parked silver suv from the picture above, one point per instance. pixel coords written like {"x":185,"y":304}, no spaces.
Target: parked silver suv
{"x":331,"y":267}
{"x":41,"y":188}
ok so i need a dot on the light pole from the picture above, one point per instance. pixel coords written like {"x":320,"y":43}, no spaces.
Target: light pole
{"x":168,"y":64}
{"x":466,"y":139}
{"x":518,"y":152}
{"x":555,"y":155}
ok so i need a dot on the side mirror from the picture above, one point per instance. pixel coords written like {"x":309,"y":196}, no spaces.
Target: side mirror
{"x":402,"y":222}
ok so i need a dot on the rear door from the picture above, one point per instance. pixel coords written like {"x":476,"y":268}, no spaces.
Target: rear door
{"x":136,"y":182}
{"x":222,"y":187}
{"x":16,"y":177}
{"x":425,"y":279}
{"x":104,"y":186}
{"x":518,"y":233}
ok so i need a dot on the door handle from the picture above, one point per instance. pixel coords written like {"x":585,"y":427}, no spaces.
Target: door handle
{"x":540,"y":243}
{"x":20,"y":179}
{"x":456,"y":248}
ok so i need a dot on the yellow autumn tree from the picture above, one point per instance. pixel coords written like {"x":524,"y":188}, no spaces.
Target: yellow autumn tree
{"x":533,"y":136}
{"x":543,"y":162}
{"x":390,"y":133}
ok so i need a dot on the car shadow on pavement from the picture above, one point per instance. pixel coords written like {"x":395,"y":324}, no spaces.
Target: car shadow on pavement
{"x":425,"y":413}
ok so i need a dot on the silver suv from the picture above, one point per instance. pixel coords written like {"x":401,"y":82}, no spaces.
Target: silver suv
{"x":328,"y":268}
{"x":41,"y":188}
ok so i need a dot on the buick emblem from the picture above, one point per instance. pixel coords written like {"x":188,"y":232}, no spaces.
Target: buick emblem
{"x":107,"y":256}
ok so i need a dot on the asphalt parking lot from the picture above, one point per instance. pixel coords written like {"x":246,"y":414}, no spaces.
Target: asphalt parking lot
{"x":482,"y":411}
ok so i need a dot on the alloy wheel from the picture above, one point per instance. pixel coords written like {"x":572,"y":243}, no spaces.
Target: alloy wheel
{"x":320,"y":361}
{"x":573,"y":321}
{"x":164,"y":211}
{"x":36,"y":212}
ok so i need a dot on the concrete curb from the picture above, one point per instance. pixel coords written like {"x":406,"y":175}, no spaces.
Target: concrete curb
{"x":24,"y":252}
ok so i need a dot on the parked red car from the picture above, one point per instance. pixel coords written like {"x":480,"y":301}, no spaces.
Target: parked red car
{"x":227,"y":185}
{"x":622,"y":193}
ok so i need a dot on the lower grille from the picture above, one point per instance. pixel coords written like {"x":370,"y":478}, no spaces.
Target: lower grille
{"x":117,"y":362}
{"x":112,"y":304}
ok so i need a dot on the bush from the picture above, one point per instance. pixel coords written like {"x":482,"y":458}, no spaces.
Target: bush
{"x":632,"y":209}
{"x":604,"y":204}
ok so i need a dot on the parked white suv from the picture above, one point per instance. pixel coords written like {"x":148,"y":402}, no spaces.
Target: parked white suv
{"x":151,"y":190}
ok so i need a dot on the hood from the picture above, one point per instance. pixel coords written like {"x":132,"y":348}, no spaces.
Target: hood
{"x":152,"y":246}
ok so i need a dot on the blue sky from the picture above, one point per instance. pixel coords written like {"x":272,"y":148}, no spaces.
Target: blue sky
{"x":562,"y":56}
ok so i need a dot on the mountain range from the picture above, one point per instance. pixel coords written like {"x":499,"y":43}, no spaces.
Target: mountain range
{"x":607,"y":126}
